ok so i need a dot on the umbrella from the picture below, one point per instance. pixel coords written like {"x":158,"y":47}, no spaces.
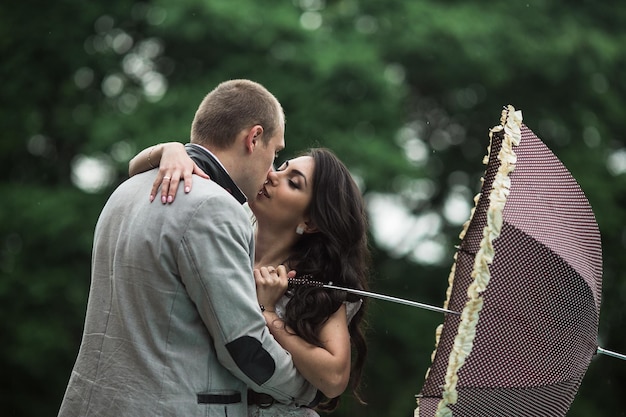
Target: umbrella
{"x":527,"y":281}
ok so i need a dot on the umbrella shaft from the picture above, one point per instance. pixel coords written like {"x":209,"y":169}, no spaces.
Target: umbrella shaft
{"x":392,"y":299}
{"x":611,"y":353}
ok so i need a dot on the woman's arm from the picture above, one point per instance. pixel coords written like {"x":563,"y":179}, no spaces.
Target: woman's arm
{"x":173,"y":163}
{"x":145,"y":160}
{"x":326,"y":367}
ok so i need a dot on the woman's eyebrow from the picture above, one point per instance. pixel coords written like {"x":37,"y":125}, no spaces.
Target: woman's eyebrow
{"x":297,"y":172}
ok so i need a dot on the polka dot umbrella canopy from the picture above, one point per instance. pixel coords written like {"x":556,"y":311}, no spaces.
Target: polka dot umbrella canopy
{"x":527,"y":281}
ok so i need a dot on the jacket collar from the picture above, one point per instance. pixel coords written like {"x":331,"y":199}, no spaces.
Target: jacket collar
{"x":212,"y":166}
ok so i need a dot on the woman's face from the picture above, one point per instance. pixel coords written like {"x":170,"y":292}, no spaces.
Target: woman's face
{"x":286,"y":195}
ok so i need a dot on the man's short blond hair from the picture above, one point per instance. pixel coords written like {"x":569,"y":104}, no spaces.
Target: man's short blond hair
{"x":231,"y":107}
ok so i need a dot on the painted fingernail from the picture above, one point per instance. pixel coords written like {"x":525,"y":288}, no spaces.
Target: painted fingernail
{"x":163,"y":199}
{"x":151,"y":198}
{"x":187,"y":189}
{"x":170,"y":199}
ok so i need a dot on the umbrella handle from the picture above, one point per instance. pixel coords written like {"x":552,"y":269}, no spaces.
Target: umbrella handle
{"x":611,"y":353}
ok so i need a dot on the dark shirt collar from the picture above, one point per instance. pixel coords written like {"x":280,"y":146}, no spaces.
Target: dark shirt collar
{"x":212,"y":166}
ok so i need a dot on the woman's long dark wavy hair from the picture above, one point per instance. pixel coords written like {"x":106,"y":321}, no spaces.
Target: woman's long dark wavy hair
{"x":338,"y":252}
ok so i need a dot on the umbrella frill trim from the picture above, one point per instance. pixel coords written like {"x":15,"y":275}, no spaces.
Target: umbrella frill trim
{"x":510,"y":122}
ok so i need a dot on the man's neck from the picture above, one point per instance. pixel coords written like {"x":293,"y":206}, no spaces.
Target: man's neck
{"x":209,"y":163}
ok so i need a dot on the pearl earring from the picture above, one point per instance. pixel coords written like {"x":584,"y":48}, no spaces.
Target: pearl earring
{"x":299,"y":230}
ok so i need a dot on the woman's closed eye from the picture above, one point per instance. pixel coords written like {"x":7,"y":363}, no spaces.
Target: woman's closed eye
{"x":296,"y":179}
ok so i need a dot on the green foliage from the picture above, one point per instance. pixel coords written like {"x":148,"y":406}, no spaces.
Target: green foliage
{"x":86,"y":79}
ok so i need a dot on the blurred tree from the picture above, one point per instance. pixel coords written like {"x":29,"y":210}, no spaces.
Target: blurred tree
{"x":562,"y":66}
{"x":403,"y":91}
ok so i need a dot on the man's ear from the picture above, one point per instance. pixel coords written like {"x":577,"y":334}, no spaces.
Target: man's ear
{"x":253,"y":137}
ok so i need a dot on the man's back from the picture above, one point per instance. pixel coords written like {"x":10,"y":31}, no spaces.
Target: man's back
{"x":146,"y":349}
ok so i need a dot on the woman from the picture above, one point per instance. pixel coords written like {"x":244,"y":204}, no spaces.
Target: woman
{"x":310,"y":217}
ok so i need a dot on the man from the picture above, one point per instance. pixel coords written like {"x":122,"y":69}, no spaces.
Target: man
{"x":173,"y":326}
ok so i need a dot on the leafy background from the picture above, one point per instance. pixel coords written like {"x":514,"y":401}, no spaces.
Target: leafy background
{"x":403,"y":91}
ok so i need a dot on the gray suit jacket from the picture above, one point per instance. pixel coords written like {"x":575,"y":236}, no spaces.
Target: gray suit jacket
{"x":173,"y":326}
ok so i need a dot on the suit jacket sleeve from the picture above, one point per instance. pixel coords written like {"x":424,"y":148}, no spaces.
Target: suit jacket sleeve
{"x":215,"y":263}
